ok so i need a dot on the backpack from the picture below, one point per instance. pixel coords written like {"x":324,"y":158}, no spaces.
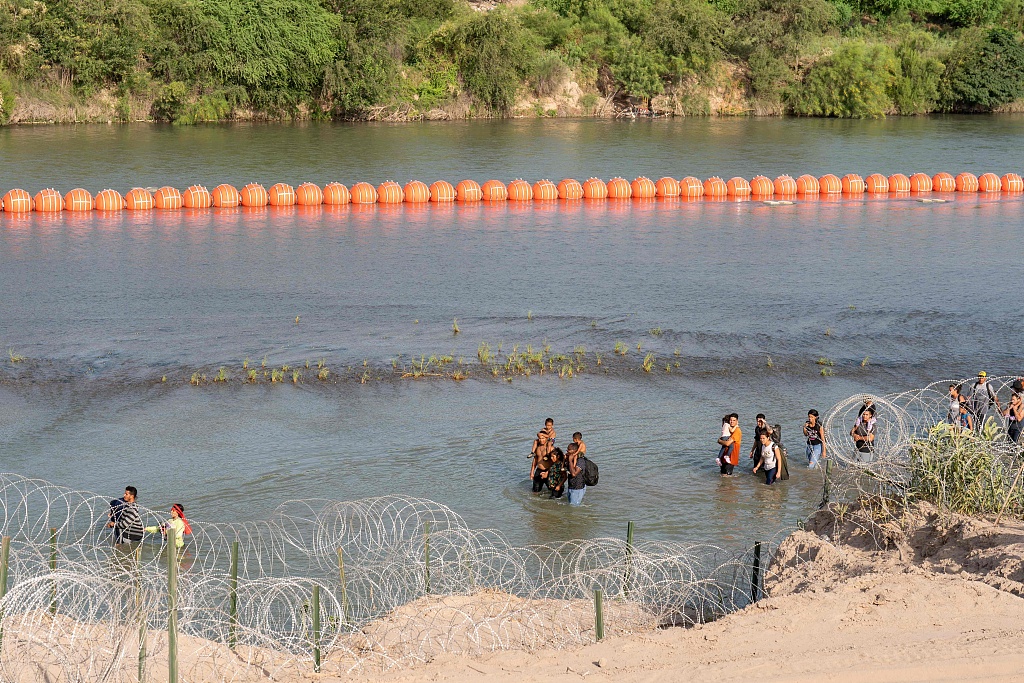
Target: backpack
{"x":589,"y":472}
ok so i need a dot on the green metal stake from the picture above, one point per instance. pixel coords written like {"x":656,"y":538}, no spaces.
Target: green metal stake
{"x":344,"y":584}
{"x":629,"y":559}
{"x":5,"y":557}
{"x":142,"y":616}
{"x":755,"y":576}
{"x":316,"y":628}
{"x":599,"y":613}
{"x":53,"y":568}
{"x":172,"y":605}
{"x":233,"y":597}
{"x":426,"y":553}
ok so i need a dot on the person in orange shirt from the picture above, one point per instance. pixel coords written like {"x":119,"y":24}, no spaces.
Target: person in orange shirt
{"x":732,"y":457}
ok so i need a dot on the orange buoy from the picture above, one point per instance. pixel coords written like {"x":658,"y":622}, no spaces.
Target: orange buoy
{"x":876,"y":183}
{"x":197,"y":197}
{"x":943,"y":182}
{"x":416,"y":192}
{"x":738,"y":187}
{"x":1011,"y":182}
{"x":966,"y":182}
{"x":167,"y":198}
{"x":761,"y":186}
{"x":643,"y":188}
{"x":691,"y":187}
{"x":853,"y":184}
{"x":309,"y":194}
{"x":989,"y":182}
{"x":807,"y":184}
{"x":920,"y":182}
{"x":544,"y":190}
{"x":109,"y":200}
{"x":784,"y":185}
{"x":899,"y":183}
{"x":336,"y":194}
{"x":17,"y":201}
{"x":442,"y":191}
{"x":78,"y":200}
{"x":390,"y":192}
{"x":829,"y":184}
{"x":281,"y":194}
{"x":364,"y":193}
{"x":225,"y":196}
{"x":254,"y":195}
{"x":619,"y":188}
{"x":494,"y":191}
{"x":667,"y":187}
{"x":468,"y":191}
{"x":570,"y":189}
{"x":138,"y":199}
{"x":715,"y":187}
{"x":520,"y":191}
{"x":48,"y":201}
{"x":595,"y":188}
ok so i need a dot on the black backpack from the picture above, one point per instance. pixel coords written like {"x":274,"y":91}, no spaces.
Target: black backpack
{"x":589,"y":472}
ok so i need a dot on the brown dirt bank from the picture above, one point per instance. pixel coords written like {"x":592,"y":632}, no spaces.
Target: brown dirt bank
{"x":921,"y":598}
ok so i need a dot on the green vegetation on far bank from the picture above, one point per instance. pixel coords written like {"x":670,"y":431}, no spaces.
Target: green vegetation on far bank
{"x":204,"y":60}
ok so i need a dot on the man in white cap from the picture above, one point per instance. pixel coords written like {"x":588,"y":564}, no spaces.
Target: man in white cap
{"x":982,"y":397}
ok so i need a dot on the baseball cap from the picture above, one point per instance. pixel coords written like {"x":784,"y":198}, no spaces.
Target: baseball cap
{"x":982,"y":374}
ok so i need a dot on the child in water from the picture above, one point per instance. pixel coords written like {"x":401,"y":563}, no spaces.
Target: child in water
{"x":727,"y":431}
{"x":176,"y":522}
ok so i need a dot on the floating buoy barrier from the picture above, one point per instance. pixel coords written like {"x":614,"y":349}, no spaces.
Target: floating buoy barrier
{"x":760,"y":187}
{"x":966,"y":182}
{"x":389,"y":192}
{"x":920,"y":183}
{"x":876,"y":183}
{"x":138,"y":199}
{"x":738,"y":187}
{"x":225,"y":196}
{"x":619,"y":188}
{"x":989,"y":182}
{"x":336,"y":194}
{"x":442,"y":191}
{"x":691,"y":187}
{"x":494,"y":191}
{"x":255,"y":195}
{"x":17,"y":201}
{"x":1011,"y":182}
{"x":520,"y":191}
{"x":78,"y":200}
{"x":310,"y":194}
{"x":196,"y":197}
{"x":943,"y":182}
{"x":281,"y":194}
{"x":544,"y":191}
{"x":667,"y":187}
{"x":109,"y":200}
{"x":595,"y":188}
{"x":715,"y":187}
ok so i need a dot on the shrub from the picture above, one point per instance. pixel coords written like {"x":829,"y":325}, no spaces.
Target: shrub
{"x":972,"y":12}
{"x":985,"y":70}
{"x":636,"y":69}
{"x":171,"y":101}
{"x":770,"y":77}
{"x":6,"y":99}
{"x":691,"y":30}
{"x":550,"y":75}
{"x":916,"y":87}
{"x":852,"y":83}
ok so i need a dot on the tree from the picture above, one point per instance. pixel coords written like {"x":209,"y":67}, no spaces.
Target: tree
{"x":985,"y":70}
{"x":852,"y":83}
{"x":636,"y":68}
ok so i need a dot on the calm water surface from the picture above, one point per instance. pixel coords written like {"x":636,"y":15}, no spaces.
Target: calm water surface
{"x":896,"y":293}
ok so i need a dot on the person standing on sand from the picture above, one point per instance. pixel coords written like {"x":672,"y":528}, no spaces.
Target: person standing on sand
{"x":125,"y":519}
{"x":815,"y":433}
{"x":577,"y":484}
{"x":732,"y":457}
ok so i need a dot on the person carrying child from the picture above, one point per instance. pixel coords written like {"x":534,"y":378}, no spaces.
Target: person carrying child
{"x":723,"y":441}
{"x":542,"y":447}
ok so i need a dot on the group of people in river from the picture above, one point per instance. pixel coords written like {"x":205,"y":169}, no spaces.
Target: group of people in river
{"x":561,"y":472}
{"x":125,"y":521}
{"x":969,"y":406}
